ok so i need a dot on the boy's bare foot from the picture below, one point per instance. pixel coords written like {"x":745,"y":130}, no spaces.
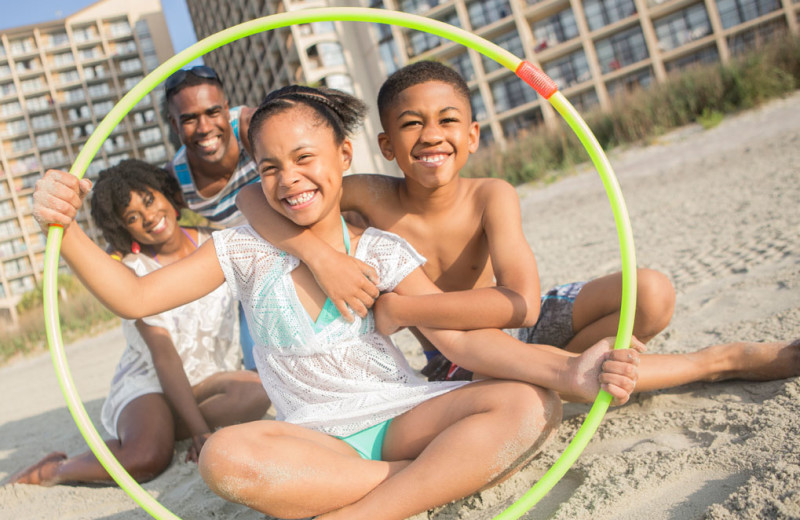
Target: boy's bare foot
{"x":758,"y":361}
{"x":41,"y":473}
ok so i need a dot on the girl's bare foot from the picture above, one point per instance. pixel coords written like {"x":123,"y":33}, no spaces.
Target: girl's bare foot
{"x":759,"y":361}
{"x":41,"y":473}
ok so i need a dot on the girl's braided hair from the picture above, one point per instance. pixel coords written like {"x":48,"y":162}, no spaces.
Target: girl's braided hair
{"x":112,"y":194}
{"x":342,"y":112}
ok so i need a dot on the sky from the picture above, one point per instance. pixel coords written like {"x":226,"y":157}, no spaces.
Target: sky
{"x":17,"y":13}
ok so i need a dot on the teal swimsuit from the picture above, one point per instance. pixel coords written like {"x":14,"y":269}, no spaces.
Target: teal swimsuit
{"x":369,"y":442}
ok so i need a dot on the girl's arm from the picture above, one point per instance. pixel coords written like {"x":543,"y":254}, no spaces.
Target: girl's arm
{"x":130,"y":296}
{"x":116,"y":286}
{"x":175,"y":384}
{"x":493,"y":353}
{"x":347,"y":281}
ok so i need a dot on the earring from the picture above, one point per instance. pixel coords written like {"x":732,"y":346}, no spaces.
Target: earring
{"x":135,"y":248}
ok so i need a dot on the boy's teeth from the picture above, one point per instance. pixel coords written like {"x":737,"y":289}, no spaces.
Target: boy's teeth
{"x":299,"y":199}
{"x":433,"y":158}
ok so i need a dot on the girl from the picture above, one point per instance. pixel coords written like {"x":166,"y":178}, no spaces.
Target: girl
{"x":359,"y":435}
{"x":178,"y":377}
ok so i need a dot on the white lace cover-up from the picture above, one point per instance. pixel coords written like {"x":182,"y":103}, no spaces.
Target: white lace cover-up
{"x":344,"y":378}
{"x":205,"y":333}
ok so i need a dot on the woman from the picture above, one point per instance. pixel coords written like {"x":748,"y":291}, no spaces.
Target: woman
{"x":179,"y":376}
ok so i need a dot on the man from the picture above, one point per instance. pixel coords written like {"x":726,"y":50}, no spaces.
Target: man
{"x":214,"y":161}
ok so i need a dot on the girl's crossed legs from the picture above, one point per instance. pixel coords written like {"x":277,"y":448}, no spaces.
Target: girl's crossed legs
{"x":444,"y":449}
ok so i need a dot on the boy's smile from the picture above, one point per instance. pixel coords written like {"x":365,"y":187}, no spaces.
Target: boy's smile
{"x":430,"y":133}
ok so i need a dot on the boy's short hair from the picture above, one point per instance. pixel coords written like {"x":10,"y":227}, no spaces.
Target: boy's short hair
{"x":414,"y":74}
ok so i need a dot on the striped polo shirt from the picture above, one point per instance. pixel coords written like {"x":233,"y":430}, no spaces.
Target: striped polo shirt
{"x":220,"y":208}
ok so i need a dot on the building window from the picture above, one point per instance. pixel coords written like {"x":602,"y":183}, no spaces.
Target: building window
{"x":478,"y":106}
{"x":707,"y":55}
{"x":554,"y":30}
{"x":487,"y":138}
{"x":682,"y":27}
{"x":621,"y":49}
{"x":57,"y":39}
{"x":389,"y":56}
{"x":417,"y":6}
{"x":514,"y":125}
{"x":735,"y":12}
{"x":639,"y":79}
{"x":419,"y":41}
{"x":510,"y":42}
{"x":569,"y":70}
{"x":307,"y":29}
{"x":484,"y":12}
{"x":511,"y":92}
{"x":326,"y":54}
{"x":463,"y":65}
{"x":47,"y":140}
{"x":341,"y":82}
{"x":756,"y":37}
{"x":600,"y":13}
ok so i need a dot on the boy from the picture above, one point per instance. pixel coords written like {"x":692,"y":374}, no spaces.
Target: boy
{"x":470,"y":232}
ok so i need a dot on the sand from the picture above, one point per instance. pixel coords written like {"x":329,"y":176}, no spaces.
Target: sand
{"x":717,"y":210}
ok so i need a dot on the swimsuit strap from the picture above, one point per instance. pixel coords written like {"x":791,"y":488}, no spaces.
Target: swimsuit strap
{"x":189,"y":237}
{"x":155,"y":256}
{"x":346,"y":236}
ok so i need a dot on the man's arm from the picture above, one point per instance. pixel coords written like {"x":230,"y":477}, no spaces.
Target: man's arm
{"x":245,"y":116}
{"x":347,"y":281}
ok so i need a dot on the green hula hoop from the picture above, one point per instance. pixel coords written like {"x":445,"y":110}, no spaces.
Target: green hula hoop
{"x":530,"y":74}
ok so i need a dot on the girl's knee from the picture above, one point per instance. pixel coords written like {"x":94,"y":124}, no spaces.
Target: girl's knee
{"x":537,"y":410}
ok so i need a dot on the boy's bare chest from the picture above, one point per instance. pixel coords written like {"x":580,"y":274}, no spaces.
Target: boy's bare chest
{"x":456,"y":250}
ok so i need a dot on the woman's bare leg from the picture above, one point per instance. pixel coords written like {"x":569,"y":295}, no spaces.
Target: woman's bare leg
{"x":227,"y":398}
{"x":459,"y":443}
{"x":144,"y":449}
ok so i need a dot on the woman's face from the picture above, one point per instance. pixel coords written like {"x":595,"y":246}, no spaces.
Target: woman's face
{"x":301,"y":165}
{"x":150,"y":218}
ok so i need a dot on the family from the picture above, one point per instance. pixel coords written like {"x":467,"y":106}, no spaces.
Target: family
{"x":359,"y":434}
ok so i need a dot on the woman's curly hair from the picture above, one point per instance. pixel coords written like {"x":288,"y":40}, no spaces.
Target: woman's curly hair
{"x":112,"y":194}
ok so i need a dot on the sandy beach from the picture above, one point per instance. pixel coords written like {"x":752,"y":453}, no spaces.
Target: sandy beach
{"x":717,"y":210}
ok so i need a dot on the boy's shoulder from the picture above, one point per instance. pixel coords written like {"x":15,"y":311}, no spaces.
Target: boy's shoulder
{"x":489,"y":189}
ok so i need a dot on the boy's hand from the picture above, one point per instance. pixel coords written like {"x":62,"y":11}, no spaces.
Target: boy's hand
{"x":601,"y":367}
{"x":57,"y":197}
{"x":347,"y":281}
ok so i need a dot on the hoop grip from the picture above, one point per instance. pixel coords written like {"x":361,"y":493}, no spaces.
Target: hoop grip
{"x":536,"y":78}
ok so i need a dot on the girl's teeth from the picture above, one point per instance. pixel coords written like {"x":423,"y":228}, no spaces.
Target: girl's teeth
{"x":303,"y":197}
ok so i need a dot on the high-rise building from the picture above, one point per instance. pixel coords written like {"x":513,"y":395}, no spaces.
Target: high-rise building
{"x":57,"y":81}
{"x":593,"y":49}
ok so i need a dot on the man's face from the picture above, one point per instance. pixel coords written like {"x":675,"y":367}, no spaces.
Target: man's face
{"x":199,"y":114}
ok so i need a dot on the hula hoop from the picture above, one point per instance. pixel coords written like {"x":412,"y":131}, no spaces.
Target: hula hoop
{"x":530,"y":74}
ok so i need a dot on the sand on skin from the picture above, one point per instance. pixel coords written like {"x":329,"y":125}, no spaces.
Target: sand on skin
{"x":718,"y":211}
